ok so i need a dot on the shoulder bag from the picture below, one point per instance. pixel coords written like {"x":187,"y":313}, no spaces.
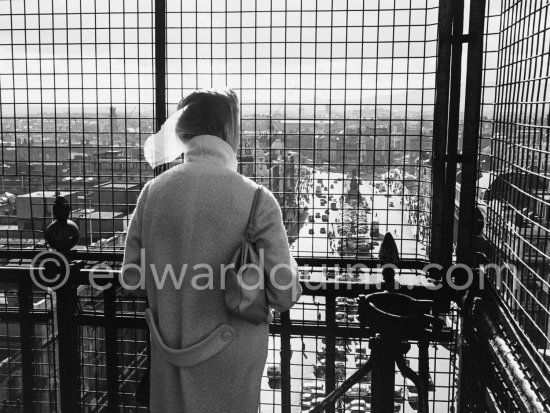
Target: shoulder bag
{"x":245,"y":293}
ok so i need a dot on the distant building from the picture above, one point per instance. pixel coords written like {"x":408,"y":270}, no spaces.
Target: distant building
{"x":115,"y":197}
{"x":283,"y":176}
{"x":34,"y":210}
{"x":96,"y":225}
{"x":8,"y":209}
{"x":285,"y":183}
{"x":125,"y":170}
{"x":277,"y":149}
{"x":251,"y":158}
{"x":307,"y":125}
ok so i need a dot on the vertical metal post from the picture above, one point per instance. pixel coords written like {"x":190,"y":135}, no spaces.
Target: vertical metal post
{"x":67,"y":336}
{"x":383,"y":374}
{"x":471,"y":133}
{"x":160,"y":63}
{"x":466,"y":230}
{"x":330,"y":342}
{"x":440,"y":126}
{"x":24,"y":295}
{"x":160,"y":70}
{"x":424,"y":364}
{"x":452,"y":135}
{"x":111,"y":350}
{"x":286,"y":355}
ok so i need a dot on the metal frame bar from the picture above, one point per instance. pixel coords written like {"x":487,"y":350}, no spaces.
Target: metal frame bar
{"x":441,"y":113}
{"x":160,"y":70}
{"x":67,"y":335}
{"x":111,"y":349}
{"x":452,"y":158}
{"x":471,"y":133}
{"x":27,"y":333}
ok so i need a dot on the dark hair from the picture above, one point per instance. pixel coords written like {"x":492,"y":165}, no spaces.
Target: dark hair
{"x":210,"y":112}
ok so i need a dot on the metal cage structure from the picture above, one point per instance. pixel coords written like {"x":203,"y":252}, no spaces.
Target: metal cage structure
{"x":427,"y":119}
{"x":508,"y":330}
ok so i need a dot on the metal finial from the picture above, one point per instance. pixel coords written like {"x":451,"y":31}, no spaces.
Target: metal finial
{"x":62,"y":234}
{"x":388,"y":255}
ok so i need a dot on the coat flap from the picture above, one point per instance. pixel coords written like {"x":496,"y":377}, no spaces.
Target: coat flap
{"x":195,"y":354}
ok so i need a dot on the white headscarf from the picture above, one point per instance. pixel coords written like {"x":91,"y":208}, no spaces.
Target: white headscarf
{"x":165,"y":145}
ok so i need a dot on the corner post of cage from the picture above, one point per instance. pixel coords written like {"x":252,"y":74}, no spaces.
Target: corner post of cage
{"x":451,"y":161}
{"x":441,"y":112}
{"x":24,"y":296}
{"x":68,"y":342}
{"x":466,"y":230}
{"x":160,"y":69}
{"x":471,"y":134}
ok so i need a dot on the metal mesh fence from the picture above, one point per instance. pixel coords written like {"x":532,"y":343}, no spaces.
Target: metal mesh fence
{"x":38,"y":341}
{"x":514,"y":181}
{"x":337,"y":103}
{"x":336,"y":106}
{"x":76,"y":103}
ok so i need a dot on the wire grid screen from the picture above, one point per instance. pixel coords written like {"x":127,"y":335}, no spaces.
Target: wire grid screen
{"x":308,"y":366}
{"x":336,"y":110}
{"x":131,"y":351}
{"x":42,"y":350}
{"x":336,"y":101}
{"x":514,"y":183}
{"x":76,"y":105}
{"x":93,"y":369}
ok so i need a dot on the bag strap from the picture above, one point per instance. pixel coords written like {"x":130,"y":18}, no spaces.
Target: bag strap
{"x":250,"y":224}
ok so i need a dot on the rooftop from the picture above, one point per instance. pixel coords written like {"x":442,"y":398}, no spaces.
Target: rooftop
{"x":46,"y":194}
{"x":99,"y":215}
{"x":117,"y":185}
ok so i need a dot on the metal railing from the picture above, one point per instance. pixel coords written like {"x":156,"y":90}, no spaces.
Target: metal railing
{"x":82,"y":349}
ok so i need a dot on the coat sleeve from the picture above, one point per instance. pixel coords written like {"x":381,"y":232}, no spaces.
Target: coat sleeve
{"x":133,"y":272}
{"x":280,"y":268}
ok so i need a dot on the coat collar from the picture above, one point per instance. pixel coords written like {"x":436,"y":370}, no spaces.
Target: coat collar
{"x":211,"y":150}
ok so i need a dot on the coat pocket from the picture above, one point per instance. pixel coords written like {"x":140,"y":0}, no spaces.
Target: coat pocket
{"x":197,"y":353}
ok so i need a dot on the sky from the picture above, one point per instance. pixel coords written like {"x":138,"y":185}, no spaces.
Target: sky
{"x":100,"y":53}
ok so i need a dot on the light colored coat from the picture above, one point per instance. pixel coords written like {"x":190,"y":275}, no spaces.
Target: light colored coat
{"x":203,"y":358}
